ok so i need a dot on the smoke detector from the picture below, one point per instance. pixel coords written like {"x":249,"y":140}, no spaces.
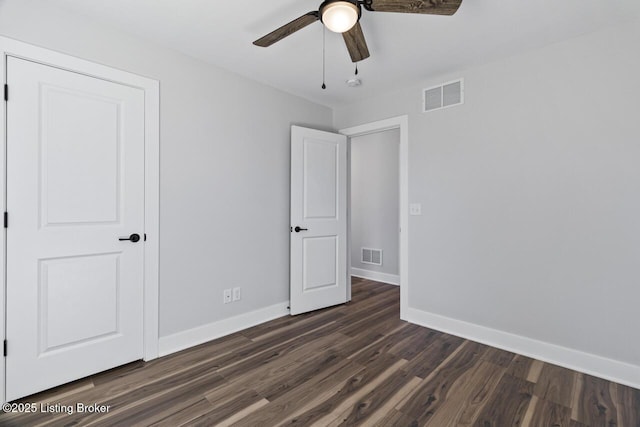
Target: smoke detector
{"x":354,"y":82}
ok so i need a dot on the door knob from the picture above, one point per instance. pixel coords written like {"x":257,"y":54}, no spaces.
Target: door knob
{"x":298,"y":229}
{"x":134,"y":238}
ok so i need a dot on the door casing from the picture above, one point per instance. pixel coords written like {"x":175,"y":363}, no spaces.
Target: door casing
{"x":151,"y":88}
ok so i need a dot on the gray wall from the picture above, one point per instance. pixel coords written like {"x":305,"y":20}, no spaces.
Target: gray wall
{"x":375,"y":198}
{"x":530,"y":194}
{"x":224,"y":166}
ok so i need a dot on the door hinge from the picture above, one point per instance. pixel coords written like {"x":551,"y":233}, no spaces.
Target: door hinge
{"x":4,"y":348}
{"x":6,"y":220}
{"x":6,"y":92}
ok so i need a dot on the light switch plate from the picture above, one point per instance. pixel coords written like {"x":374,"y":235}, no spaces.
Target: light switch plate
{"x":415,"y":209}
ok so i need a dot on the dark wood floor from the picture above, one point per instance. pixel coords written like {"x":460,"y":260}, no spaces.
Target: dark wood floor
{"x":356,"y":364}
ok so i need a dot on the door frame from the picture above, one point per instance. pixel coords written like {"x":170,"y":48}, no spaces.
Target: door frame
{"x":401,"y":123}
{"x":151,"y":88}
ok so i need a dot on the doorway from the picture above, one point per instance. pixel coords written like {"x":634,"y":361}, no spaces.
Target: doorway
{"x":401,"y":125}
{"x":375,"y":206}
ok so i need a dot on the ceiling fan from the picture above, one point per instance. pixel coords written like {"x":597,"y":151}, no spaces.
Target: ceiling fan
{"x":343,"y":16}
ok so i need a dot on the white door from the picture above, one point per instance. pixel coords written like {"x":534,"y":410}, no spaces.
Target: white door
{"x":75,"y":185}
{"x":318,"y":220}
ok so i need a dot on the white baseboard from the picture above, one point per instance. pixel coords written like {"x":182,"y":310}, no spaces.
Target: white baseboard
{"x":201,"y":334}
{"x":587,"y":363}
{"x":391,"y":279}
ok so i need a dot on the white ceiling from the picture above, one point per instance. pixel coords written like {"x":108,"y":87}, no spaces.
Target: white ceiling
{"x":405,"y":48}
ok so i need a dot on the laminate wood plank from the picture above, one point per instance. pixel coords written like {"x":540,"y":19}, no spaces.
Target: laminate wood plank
{"x":426,"y":362}
{"x":59,"y":393}
{"x":357,"y":311}
{"x":364,"y":288}
{"x":360,"y":411}
{"x":137,"y":405}
{"x":207,"y":358}
{"x":366,"y":315}
{"x":499,"y":357}
{"x":284,"y":324}
{"x":316,"y":328}
{"x":262,"y":329}
{"x":312,"y":366}
{"x":550,"y":414}
{"x":555,"y":384}
{"x":389,"y":405}
{"x":315,"y":366}
{"x":628,"y":406}
{"x":366,"y":347}
{"x":311,"y":393}
{"x":413,"y":345}
{"x":118,"y":373}
{"x":185,"y":358}
{"x":267,"y":351}
{"x":426,"y":400}
{"x":280,"y":355}
{"x":384,"y":345}
{"x":361,"y":293}
{"x":365,"y":320}
{"x":374,"y":372}
{"x":508,"y":404}
{"x":528,"y":414}
{"x":353,"y":345}
{"x":389,"y":325}
{"x":120,"y":395}
{"x":467,"y":396}
{"x":534,"y":371}
{"x":397,"y":419}
{"x":365,"y":323}
{"x":576,"y":395}
{"x":230,"y":409}
{"x":180,"y":416}
{"x":594,"y":405}
{"x":349,"y":395}
{"x":520,"y":366}
{"x":285,"y":372}
{"x":241,"y":414}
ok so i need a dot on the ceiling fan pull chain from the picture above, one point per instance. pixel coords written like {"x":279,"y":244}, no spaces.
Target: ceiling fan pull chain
{"x":356,"y":68}
{"x":324,"y":56}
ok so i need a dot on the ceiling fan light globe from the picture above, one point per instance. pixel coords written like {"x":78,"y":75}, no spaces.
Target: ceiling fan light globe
{"x":340,"y":16}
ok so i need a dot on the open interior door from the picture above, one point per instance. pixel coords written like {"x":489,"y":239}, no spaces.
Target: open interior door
{"x":318,"y":220}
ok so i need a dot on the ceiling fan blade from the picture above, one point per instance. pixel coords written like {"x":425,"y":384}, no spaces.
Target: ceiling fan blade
{"x":356,"y":44}
{"x":288,"y":29}
{"x":431,"y":7}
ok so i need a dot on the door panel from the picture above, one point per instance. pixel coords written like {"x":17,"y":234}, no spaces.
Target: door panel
{"x":319,"y":206}
{"x":63,"y":195}
{"x":75,"y":184}
{"x":320,"y":260}
{"x":320,"y":179}
{"x":74,"y":288}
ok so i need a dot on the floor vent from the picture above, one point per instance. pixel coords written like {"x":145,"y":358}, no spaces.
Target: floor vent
{"x":371,"y":256}
{"x":443,"y":96}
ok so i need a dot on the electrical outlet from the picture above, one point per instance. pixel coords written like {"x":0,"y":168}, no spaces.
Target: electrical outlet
{"x":237,"y":295}
{"x":415,"y":209}
{"x":227,"y":296}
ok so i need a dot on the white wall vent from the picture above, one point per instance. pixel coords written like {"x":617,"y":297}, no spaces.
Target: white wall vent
{"x":443,"y":96}
{"x":371,"y":256}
